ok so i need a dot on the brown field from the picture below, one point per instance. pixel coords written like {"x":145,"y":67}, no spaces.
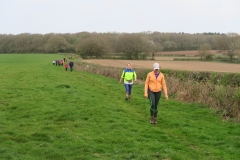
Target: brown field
{"x":167,"y":58}
{"x":177,"y":65}
{"x":187,"y":53}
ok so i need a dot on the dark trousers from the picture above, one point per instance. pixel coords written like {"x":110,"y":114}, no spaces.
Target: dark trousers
{"x":154,"y":98}
{"x":71,"y":68}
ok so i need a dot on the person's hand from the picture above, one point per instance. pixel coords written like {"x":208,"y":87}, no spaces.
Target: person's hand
{"x":135,"y":80}
{"x":166,"y":97}
{"x":120,"y":81}
{"x":145,"y":96}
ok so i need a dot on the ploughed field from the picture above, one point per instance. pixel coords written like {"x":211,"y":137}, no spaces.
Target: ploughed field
{"x":167,"y":63}
{"x":186,"y":53}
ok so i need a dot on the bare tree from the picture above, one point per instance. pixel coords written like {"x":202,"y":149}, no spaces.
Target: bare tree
{"x":56,"y":44}
{"x":204,"y":50}
{"x":7,"y":43}
{"x":229,"y":44}
{"x":131,"y":45}
{"x":170,"y":46}
{"x":153,"y":47}
{"x":92,"y":47}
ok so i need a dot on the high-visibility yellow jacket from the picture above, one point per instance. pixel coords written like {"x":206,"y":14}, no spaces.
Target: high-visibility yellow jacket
{"x":128,"y":75}
{"x":155,"y":84}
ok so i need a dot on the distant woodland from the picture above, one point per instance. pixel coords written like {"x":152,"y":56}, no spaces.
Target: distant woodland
{"x":131,"y":44}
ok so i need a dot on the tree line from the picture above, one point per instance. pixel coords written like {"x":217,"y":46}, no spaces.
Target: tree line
{"x":132,"y":45}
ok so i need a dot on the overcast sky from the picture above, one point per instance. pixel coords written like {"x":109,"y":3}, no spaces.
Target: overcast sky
{"x":72,"y":16}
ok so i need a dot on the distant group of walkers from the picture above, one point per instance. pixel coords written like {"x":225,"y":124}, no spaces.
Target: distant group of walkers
{"x":61,"y":62}
{"x":154,"y":84}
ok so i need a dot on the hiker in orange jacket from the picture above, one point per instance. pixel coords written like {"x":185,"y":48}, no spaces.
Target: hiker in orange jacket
{"x":154,"y":84}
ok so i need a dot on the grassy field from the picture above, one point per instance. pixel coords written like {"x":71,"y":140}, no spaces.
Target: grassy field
{"x":48,"y":113}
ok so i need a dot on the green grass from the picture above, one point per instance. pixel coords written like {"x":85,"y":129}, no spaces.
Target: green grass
{"x":48,"y":113}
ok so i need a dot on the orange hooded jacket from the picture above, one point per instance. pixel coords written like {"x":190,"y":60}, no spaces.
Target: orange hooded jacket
{"x":155,"y":85}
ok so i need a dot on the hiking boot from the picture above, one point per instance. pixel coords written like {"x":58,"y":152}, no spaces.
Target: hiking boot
{"x":126,"y":99}
{"x":154,"y":121}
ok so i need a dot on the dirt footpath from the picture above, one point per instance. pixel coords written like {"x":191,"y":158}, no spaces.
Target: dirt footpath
{"x":178,"y":65}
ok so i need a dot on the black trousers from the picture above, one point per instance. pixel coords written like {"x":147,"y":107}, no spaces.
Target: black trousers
{"x":154,"y":98}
